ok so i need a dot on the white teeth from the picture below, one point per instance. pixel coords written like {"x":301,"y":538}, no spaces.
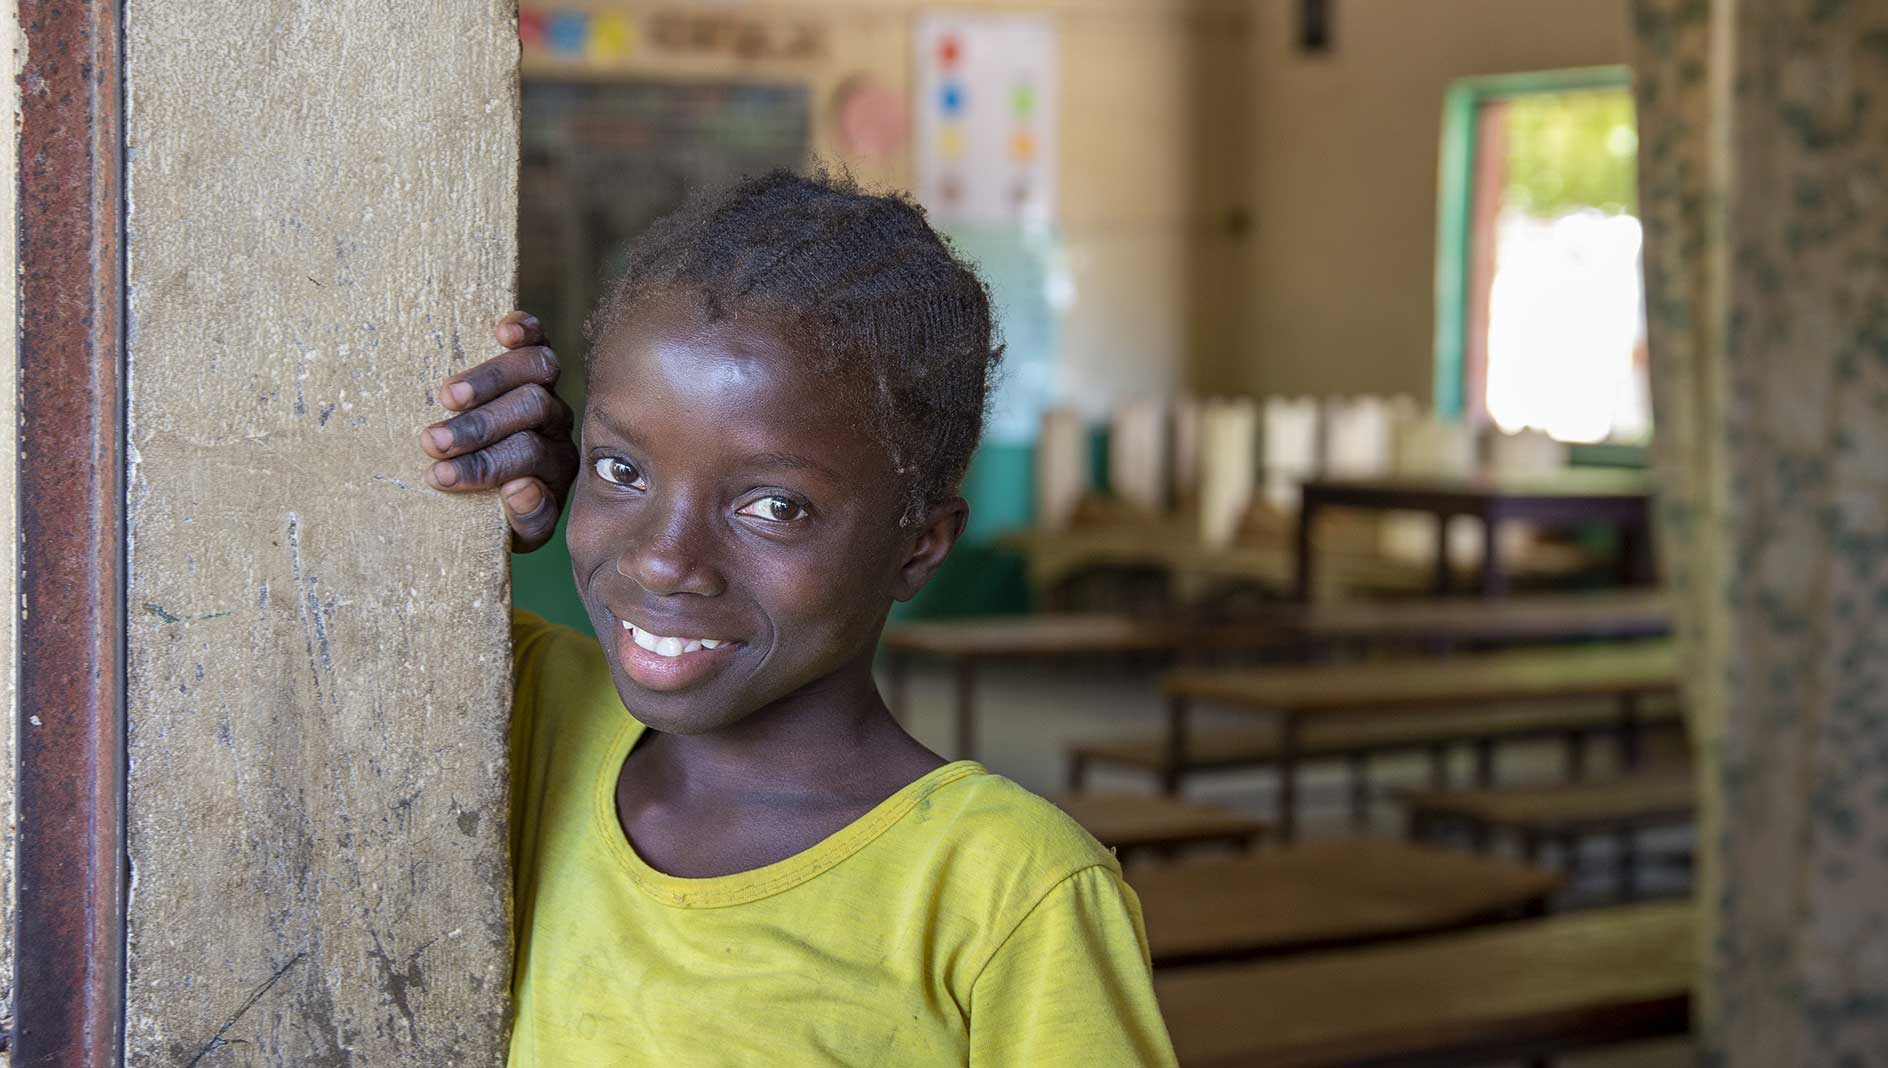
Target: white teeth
{"x":662,"y":645}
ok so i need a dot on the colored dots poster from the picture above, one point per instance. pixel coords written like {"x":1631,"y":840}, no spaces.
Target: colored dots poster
{"x":985,"y":111}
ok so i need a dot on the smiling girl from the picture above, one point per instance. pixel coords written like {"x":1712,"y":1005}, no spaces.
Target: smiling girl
{"x":726,"y":851}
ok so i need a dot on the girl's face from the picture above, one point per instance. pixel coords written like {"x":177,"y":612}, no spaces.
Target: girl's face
{"x":734,"y":529}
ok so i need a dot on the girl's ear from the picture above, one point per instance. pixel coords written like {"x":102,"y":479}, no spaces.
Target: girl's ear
{"x":943,"y":525}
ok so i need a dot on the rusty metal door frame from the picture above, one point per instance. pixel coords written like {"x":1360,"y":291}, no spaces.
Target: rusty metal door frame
{"x":71,"y":868}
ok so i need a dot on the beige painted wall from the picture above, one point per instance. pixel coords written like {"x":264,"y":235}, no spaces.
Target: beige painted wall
{"x":1181,"y":120}
{"x":1343,"y":187}
{"x":1151,"y":170}
{"x":322,"y":225}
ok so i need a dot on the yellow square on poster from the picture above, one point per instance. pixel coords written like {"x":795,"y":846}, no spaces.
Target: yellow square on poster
{"x":612,"y":38}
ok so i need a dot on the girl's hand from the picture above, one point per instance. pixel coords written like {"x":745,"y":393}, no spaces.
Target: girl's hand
{"x":512,"y":433}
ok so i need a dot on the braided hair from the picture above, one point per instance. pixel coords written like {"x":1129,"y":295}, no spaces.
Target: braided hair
{"x":857,"y":282}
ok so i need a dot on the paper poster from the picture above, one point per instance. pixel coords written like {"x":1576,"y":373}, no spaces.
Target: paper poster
{"x":986,"y":117}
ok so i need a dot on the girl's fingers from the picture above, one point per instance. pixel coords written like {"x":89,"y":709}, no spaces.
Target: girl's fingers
{"x":500,"y":375}
{"x":524,"y":454}
{"x":531,"y":510}
{"x":518,"y":329}
{"x":529,"y":407}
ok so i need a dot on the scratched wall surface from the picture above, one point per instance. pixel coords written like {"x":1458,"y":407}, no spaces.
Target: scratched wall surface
{"x":10,"y":45}
{"x":321,"y":225}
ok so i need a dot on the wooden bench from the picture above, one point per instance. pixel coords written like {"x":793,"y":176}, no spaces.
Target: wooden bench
{"x":1522,"y":991}
{"x":1358,"y":741}
{"x":1516,"y":620}
{"x":1483,"y":682}
{"x":1326,"y":894}
{"x":1563,"y":814}
{"x":1129,"y":823}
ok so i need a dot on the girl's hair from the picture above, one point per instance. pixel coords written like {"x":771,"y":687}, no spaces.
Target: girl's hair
{"x":856,"y":281}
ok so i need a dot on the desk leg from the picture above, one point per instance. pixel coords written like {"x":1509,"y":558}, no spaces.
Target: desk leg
{"x":1288,"y":729}
{"x":1630,"y":749}
{"x":1494,"y":577}
{"x":1307,"y":513}
{"x":1443,"y":579}
{"x":1438,"y":766}
{"x":1628,"y":872}
{"x":1576,"y":755}
{"x":1635,"y":554}
{"x":966,"y":708}
{"x":1360,"y":791}
{"x":1173,"y":762}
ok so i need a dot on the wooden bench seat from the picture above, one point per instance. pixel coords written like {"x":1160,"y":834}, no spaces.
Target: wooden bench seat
{"x":1325,"y":894}
{"x":1130,"y":823}
{"x":1246,"y":748}
{"x":1538,"y":617}
{"x":1594,"y":670}
{"x":1563,"y":813}
{"x":1482,"y":684}
{"x":1566,"y":809}
{"x":1249,"y":747}
{"x":1039,"y":635}
{"x":968,"y":641}
{"x":1525,"y":990}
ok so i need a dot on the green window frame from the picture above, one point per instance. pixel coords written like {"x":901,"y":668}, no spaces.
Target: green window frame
{"x":1460,"y":107}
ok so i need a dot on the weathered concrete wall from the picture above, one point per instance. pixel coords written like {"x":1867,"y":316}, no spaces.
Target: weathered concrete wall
{"x":321,"y":225}
{"x":11,"y":44}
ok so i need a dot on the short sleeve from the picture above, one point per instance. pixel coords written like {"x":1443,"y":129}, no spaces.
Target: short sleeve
{"x":553,"y":669}
{"x":531,"y":642}
{"x":1072,"y":985}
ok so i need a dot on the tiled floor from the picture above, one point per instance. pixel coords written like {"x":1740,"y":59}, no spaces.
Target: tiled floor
{"x":1028,"y":714}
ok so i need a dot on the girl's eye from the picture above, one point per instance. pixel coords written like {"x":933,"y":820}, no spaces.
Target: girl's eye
{"x":776,"y":509}
{"x":618,"y":472}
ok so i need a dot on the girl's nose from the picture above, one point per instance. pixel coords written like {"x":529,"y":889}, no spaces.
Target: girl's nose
{"x":671,"y":556}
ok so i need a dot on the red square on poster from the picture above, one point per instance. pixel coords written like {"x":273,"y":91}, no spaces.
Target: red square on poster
{"x":531,"y":27}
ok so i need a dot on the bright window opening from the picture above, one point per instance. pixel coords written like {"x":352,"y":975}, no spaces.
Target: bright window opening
{"x":1550,"y":297}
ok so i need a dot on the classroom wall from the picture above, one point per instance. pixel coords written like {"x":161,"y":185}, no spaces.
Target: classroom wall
{"x":1151,"y":166}
{"x":1343,"y":186}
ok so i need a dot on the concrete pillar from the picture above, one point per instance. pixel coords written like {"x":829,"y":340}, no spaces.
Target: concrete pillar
{"x":320,"y":225}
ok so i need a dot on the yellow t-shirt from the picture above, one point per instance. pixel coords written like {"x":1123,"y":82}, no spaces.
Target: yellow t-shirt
{"x":963,"y":921}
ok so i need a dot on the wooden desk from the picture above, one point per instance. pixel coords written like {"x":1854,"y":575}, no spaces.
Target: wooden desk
{"x":1326,"y":894}
{"x":1626,"y":671}
{"x":1622,"y":499}
{"x":970,"y":641}
{"x":1533,"y":989}
{"x":1563,"y":814}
